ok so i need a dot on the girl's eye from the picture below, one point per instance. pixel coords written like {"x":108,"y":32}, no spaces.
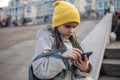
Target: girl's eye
{"x":69,"y":26}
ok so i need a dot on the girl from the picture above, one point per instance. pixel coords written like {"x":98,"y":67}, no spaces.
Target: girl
{"x":65,"y":19}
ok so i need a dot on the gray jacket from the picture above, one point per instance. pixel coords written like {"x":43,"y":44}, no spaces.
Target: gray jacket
{"x":49,"y":67}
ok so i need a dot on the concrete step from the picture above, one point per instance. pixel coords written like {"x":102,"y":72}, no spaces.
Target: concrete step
{"x":112,"y":53}
{"x":109,"y":78}
{"x":111,"y":67}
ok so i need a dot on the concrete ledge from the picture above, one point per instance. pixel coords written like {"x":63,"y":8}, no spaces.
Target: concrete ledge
{"x":96,"y":41}
{"x":109,"y":78}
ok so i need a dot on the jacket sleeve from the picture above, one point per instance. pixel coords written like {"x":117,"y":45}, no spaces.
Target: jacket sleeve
{"x":46,"y":67}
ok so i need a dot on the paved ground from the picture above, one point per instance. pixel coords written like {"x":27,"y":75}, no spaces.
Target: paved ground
{"x":17,"y":46}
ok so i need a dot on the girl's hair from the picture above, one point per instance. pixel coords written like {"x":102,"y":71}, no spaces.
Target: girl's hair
{"x":59,"y":42}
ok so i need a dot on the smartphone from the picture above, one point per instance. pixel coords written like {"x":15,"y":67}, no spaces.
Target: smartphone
{"x":86,"y":53}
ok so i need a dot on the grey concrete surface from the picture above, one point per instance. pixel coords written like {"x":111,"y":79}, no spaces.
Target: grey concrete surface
{"x":96,"y":41}
{"x":109,"y":78}
{"x":113,"y":45}
{"x":17,"y":45}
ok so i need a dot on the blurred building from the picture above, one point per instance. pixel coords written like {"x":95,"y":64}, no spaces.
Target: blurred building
{"x":41,"y":11}
{"x":30,"y":10}
{"x":117,"y":5}
{"x":46,"y":9}
{"x":90,"y":5}
{"x":84,"y":5}
{"x":80,"y":4}
{"x":16,"y":9}
{"x":101,"y":5}
{"x":3,"y":13}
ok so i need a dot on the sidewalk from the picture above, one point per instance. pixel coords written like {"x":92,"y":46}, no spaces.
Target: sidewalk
{"x":18,"y":48}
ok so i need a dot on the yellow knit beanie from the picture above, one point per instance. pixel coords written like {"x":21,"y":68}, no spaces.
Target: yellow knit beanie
{"x":64,"y":12}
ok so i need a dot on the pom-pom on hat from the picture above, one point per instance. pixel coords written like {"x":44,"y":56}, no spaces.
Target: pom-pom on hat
{"x":64,"y":12}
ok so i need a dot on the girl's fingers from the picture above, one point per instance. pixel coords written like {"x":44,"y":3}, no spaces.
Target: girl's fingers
{"x":73,"y":53}
{"x":77,"y":64}
{"x":77,"y":54}
{"x":81,"y":61}
{"x":86,"y":59}
{"x":73,"y":56}
{"x":82,"y":65}
{"x":76,"y":49}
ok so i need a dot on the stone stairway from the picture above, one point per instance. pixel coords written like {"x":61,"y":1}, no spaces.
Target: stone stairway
{"x":110,"y":69}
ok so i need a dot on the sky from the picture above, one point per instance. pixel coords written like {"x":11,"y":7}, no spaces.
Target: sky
{"x":4,"y":3}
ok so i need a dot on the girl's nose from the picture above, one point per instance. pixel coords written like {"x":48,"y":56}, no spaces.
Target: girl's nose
{"x":71,"y":30}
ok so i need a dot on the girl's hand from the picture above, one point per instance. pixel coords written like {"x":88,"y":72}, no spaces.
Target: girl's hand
{"x":73,"y":53}
{"x":82,"y":65}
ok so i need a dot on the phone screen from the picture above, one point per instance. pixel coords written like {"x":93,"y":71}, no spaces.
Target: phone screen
{"x":86,"y":53}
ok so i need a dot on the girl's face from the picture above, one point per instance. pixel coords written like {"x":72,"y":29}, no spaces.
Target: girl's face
{"x":67,"y":29}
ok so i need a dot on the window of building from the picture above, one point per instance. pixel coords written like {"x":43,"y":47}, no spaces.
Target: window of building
{"x":72,"y":1}
{"x":13,"y":10}
{"x":11,"y":3}
{"x":28,"y":9}
{"x":9,"y":10}
{"x":89,"y":1}
{"x":17,"y":2}
{"x":48,"y":4}
{"x":118,"y":3}
{"x":39,"y":6}
{"x":16,"y":10}
{"x":0,"y":9}
{"x":88,"y":8}
{"x":99,"y":5}
{"x":19,"y":10}
{"x":105,"y":5}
